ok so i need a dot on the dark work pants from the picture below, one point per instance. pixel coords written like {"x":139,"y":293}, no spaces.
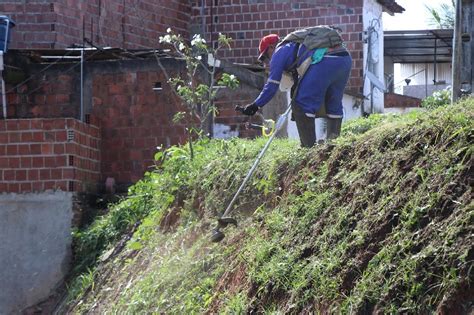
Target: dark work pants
{"x":307,"y":130}
{"x":305,"y":126}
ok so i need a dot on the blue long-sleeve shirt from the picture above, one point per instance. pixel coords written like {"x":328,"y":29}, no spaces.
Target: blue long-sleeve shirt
{"x":281,"y":61}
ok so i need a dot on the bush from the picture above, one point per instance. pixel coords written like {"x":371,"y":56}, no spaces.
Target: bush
{"x":439,"y":98}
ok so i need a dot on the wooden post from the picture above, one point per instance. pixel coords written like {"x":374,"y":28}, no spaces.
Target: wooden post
{"x":457,"y":47}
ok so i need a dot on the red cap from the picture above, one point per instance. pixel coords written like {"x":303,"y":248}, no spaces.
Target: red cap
{"x":265,"y":42}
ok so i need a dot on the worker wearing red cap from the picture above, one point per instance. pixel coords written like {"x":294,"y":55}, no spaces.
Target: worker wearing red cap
{"x":322,"y":84}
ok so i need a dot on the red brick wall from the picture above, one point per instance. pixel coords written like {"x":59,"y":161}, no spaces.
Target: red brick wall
{"x":134,"y":120}
{"x":138,"y":24}
{"x":37,"y":154}
{"x":227,"y":100}
{"x":398,"y":100}
{"x":116,"y":23}
{"x":53,"y":94}
{"x":246,"y":21}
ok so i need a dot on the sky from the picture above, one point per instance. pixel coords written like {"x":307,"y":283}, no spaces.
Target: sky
{"x":414,"y":17}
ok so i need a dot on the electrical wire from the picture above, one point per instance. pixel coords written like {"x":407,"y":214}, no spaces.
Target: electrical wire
{"x":401,"y":82}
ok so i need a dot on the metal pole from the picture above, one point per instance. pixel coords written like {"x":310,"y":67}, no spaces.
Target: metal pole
{"x":457,"y":47}
{"x":280,"y":122}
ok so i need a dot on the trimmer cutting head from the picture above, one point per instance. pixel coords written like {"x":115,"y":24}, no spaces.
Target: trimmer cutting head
{"x":217,"y":234}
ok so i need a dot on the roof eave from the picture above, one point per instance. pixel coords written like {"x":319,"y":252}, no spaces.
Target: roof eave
{"x":391,"y":6}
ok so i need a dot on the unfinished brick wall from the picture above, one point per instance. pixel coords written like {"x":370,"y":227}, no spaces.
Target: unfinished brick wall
{"x":116,"y":23}
{"x":227,"y":116}
{"x":138,"y":24}
{"x":42,"y":154}
{"x":246,"y":21}
{"x":397,"y":100}
{"x":55,"y":93}
{"x":134,"y":118}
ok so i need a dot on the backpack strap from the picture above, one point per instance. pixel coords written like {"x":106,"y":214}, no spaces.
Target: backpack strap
{"x":294,"y":71}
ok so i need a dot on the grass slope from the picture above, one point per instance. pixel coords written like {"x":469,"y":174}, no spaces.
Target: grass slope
{"x":380,"y":221}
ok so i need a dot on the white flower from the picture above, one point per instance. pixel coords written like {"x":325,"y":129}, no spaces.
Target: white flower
{"x":199,"y":57}
{"x":232,"y":77}
{"x":181,"y":46}
{"x":168,"y":30}
{"x":197,"y":40}
{"x":165,"y":39}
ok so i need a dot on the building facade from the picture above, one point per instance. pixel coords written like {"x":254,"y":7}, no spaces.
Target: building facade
{"x":78,"y":119}
{"x":118,"y":94}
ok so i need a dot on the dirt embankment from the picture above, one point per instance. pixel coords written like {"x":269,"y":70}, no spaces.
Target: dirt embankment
{"x":381,"y":221}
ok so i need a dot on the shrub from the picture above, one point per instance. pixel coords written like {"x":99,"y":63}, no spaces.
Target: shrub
{"x":439,"y":98}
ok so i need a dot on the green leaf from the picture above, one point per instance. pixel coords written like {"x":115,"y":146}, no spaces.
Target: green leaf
{"x":135,"y":245}
{"x":158,"y":155}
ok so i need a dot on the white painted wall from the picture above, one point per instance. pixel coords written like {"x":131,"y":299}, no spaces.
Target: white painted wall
{"x":372,"y":16}
{"x":416,"y":73}
{"x":443,"y":73}
{"x":221,"y":131}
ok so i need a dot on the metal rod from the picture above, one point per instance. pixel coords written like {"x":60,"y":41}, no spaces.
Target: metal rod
{"x":281,"y":120}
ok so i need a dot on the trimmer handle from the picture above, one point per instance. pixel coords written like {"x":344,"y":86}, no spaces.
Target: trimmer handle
{"x":239,"y":108}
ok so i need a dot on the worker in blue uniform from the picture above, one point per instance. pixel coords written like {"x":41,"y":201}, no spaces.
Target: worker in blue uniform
{"x":322,"y":85}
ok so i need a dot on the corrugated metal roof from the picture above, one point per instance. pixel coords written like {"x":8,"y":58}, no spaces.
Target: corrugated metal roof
{"x":419,"y":46}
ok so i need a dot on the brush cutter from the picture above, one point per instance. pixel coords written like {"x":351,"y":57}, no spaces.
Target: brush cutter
{"x":267,"y":127}
{"x":225,"y":220}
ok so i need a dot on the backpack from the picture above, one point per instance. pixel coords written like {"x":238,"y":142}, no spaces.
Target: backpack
{"x":322,"y":36}
{"x":314,"y":37}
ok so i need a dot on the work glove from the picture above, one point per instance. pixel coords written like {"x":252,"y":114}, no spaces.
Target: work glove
{"x":250,"y":109}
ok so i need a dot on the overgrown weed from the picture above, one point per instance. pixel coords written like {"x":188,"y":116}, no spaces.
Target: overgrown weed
{"x":381,"y":220}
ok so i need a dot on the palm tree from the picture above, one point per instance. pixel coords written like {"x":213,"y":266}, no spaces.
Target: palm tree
{"x":442,"y":17}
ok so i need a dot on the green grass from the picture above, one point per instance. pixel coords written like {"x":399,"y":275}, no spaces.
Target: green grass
{"x":379,"y":220}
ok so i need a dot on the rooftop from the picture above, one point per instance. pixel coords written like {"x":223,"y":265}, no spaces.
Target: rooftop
{"x":419,"y":46}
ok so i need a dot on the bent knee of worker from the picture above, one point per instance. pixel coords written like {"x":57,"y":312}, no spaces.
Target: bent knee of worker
{"x":334,"y":110}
